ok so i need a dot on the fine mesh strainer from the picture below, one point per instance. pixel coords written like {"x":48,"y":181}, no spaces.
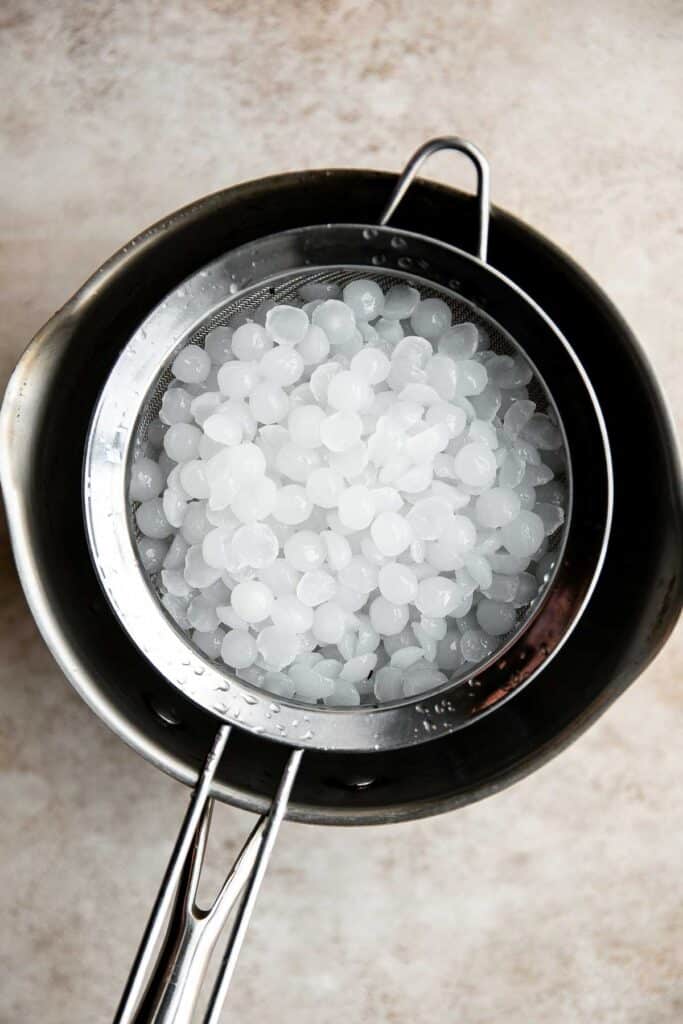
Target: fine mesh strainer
{"x":275,"y":267}
{"x":285,"y":290}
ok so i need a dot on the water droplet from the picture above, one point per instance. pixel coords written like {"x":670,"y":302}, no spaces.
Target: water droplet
{"x":249,"y":698}
{"x":233,"y":288}
{"x":369,"y":233}
{"x":398,"y":243}
{"x":199,"y":671}
{"x":405,"y":262}
{"x":257,"y":729}
{"x":308,"y":735}
{"x":220,"y":707}
{"x":378,"y":260}
{"x":275,"y":708}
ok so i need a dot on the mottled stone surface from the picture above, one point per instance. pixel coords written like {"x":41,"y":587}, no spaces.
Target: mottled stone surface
{"x":560,"y":899}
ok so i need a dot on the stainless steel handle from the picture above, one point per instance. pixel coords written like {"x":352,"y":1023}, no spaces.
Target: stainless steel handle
{"x":483,"y":182}
{"x":170,"y":965}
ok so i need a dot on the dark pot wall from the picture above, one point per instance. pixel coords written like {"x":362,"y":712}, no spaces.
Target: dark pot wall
{"x":630,"y":615}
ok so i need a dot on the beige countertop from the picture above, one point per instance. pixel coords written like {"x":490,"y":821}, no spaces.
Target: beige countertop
{"x":560,"y":899}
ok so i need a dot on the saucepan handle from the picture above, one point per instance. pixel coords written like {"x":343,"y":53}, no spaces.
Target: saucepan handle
{"x":180,"y":937}
{"x":483,"y":182}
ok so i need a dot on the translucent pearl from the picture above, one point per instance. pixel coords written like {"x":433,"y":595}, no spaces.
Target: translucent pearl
{"x":281,"y":577}
{"x":475,"y":465}
{"x":296,"y":463}
{"x":195,"y":524}
{"x":224,"y":427}
{"x":448,"y":653}
{"x":341,"y":430}
{"x":343,"y":695}
{"x":476,"y":645}
{"x":268,"y":402}
{"x":329,"y":623}
{"x":304,"y":425}
{"x":442,"y":375}
{"x":309,"y":685}
{"x":438,"y":596}
{"x":282,"y":366}
{"x":338,"y":550}
{"x":175,"y":556}
{"x":217,"y":546}
{"x":305,"y":550}
{"x":391,"y":533}
{"x":218,"y":345}
{"x":497,"y":507}
{"x":279,"y":684}
{"x":388,"y":618}
{"x":325,"y":487}
{"x":176,"y":406}
{"x":398,"y":583}
{"x":429,"y":517}
{"x":352,"y":463}
{"x":358,"y":668}
{"x":349,"y":599}
{"x":316,"y":587}
{"x":193,"y":479}
{"x":426,"y":444}
{"x":239,"y":649}
{"x":152,"y":553}
{"x":252,"y":601}
{"x":370,"y":365}
{"x":459,"y":342}
{"x":388,"y":684}
{"x":365,"y":298}
{"x":238,"y":379}
{"x":400,"y":302}
{"x":348,"y":391}
{"x":389,"y":331}
{"x":356,"y":507}
{"x":320,"y":380}
{"x":292,"y":505}
{"x":431,"y":318}
{"x":255,"y":500}
{"x":315,"y":347}
{"x":495,"y":617}
{"x":256,"y":544}
{"x":209,"y":643}
{"x":201,"y":614}
{"x":151,"y":519}
{"x":336,"y":320}
{"x":523,"y":536}
{"x":406,"y":657}
{"x":360,"y":575}
{"x":250,"y":342}
{"x":197,"y":573}
{"x":146,"y":480}
{"x":191,"y":365}
{"x":471,"y":378}
{"x":287,"y":325}
{"x":289,"y":613}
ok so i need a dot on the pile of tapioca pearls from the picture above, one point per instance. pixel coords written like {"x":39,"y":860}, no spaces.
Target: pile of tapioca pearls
{"x":351,"y":499}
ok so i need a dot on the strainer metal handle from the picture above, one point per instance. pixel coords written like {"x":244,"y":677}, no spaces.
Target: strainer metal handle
{"x":481,"y":165}
{"x":165,"y":991}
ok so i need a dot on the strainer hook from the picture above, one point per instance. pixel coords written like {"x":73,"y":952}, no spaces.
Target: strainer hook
{"x":483,"y":182}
